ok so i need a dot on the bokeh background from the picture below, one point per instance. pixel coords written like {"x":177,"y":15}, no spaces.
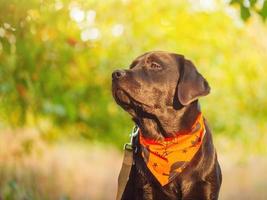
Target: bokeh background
{"x":61,"y":133}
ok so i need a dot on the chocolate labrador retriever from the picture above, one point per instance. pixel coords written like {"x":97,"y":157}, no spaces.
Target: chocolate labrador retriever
{"x":160,"y":91}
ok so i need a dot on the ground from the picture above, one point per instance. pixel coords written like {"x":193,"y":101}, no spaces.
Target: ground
{"x":82,"y":171}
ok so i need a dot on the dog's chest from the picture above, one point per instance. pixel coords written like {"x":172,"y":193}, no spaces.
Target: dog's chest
{"x":147,"y":187}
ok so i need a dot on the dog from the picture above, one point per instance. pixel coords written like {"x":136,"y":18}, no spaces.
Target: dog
{"x":160,"y":91}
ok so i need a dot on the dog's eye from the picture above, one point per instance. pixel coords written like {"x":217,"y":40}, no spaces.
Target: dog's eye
{"x":155,"y":66}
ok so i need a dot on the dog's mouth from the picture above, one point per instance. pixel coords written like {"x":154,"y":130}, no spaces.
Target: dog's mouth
{"x":128,"y":103}
{"x":122,"y":98}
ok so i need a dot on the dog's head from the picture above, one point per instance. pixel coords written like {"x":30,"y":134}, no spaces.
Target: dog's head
{"x":158,"y":82}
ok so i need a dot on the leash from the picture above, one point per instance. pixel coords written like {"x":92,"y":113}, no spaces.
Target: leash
{"x":126,"y":164}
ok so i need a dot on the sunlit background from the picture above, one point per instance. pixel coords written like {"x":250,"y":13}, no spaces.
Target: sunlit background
{"x":61,"y":133}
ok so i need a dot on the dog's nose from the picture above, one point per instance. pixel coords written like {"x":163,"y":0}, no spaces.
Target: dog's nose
{"x":117,"y":74}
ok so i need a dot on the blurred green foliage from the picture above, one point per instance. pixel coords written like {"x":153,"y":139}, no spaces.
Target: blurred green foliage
{"x":57,"y":56}
{"x":247,"y":7}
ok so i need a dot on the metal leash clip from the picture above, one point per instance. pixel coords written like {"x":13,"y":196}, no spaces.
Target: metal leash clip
{"x":129,"y":146}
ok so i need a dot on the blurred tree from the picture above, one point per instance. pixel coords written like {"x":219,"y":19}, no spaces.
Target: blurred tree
{"x":56,"y":58}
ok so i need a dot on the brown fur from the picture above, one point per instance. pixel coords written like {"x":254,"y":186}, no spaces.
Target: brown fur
{"x":160,"y":91}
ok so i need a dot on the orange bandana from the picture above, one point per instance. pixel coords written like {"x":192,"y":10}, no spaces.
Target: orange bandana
{"x":167,"y":159}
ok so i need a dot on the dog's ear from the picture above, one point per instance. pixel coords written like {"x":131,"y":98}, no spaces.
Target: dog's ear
{"x":191,"y":84}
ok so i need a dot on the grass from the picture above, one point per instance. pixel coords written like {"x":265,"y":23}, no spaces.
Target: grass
{"x":76,"y":170}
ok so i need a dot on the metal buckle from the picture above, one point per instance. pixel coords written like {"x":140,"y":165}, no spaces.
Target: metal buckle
{"x":134,"y":133}
{"x":128,"y":146}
